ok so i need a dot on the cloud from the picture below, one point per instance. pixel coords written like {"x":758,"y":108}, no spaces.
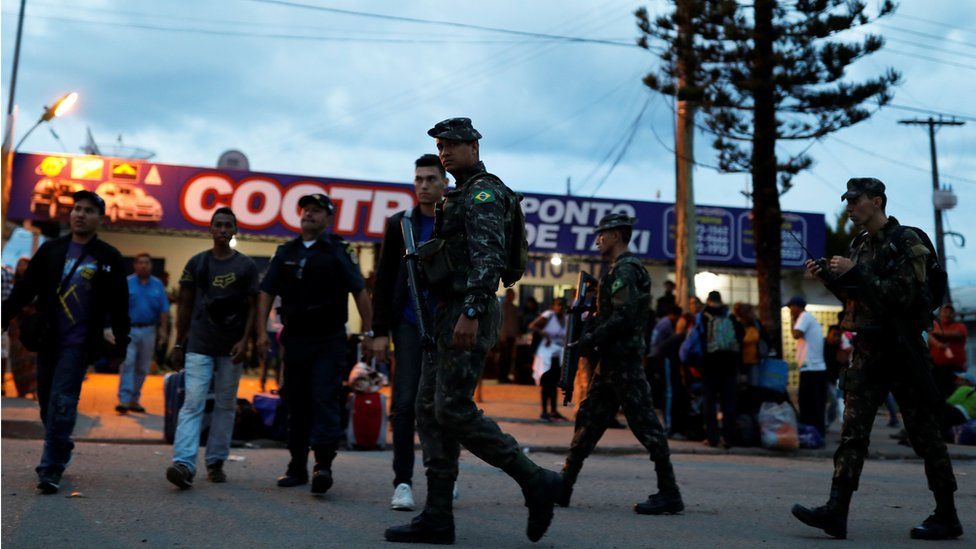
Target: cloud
{"x":549,"y":111}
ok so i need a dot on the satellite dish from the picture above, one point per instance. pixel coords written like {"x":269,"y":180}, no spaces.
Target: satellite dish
{"x":117,"y":150}
{"x":233,"y":160}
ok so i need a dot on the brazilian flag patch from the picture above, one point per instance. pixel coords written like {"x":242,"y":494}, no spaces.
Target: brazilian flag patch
{"x":615,"y":287}
{"x":483,"y":197}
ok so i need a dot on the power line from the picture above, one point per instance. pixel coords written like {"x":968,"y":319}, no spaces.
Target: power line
{"x":929,"y":58}
{"x":581,"y":110}
{"x":926,"y":35}
{"x":682,"y":157}
{"x":444,"y":23}
{"x":929,"y":47}
{"x":248,"y":34}
{"x":934,"y":22}
{"x":899,"y":162}
{"x":922,"y":110}
{"x":625,"y":148}
{"x":470,"y":75}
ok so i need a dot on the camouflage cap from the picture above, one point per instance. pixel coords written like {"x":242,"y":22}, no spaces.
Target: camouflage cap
{"x":856,"y":186}
{"x":615,"y":221}
{"x":457,"y":129}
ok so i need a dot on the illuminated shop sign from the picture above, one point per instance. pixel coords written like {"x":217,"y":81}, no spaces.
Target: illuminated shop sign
{"x":149,"y":194}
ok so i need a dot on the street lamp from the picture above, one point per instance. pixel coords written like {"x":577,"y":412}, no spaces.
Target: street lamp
{"x":59,"y":108}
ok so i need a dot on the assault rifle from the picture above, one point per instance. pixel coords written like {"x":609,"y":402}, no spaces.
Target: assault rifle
{"x":412,"y":263}
{"x":580,"y":317}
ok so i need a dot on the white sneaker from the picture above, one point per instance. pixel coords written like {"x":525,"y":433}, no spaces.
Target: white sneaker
{"x":402,"y":498}
{"x":457,"y":491}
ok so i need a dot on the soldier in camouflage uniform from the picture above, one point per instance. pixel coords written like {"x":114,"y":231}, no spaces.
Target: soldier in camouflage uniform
{"x":463,"y":263}
{"x":883,"y":286}
{"x":624,"y":299}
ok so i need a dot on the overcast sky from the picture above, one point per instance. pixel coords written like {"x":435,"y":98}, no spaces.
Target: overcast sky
{"x":319,"y":93}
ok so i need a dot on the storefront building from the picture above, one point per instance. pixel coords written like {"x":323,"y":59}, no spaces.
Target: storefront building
{"x":165,"y":210}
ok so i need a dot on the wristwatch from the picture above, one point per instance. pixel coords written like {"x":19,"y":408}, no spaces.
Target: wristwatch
{"x":368,"y":334}
{"x":471,"y":312}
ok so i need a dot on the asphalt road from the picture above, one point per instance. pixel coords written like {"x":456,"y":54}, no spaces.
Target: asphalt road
{"x":122,"y":500}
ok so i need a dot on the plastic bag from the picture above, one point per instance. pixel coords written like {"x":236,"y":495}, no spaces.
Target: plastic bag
{"x":777,"y":426}
{"x":810,"y":438}
{"x":773,"y":374}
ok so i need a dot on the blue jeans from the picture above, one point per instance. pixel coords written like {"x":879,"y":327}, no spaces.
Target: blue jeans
{"x":199,"y":370}
{"x":138,"y":356}
{"x":59,"y":377}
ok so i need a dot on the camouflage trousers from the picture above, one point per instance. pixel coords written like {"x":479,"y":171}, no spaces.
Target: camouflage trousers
{"x":866,"y":383}
{"x":447,"y":417}
{"x":620,"y":382}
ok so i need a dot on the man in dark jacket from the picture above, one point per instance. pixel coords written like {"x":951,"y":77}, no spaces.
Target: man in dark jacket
{"x":720,"y":335}
{"x":79,"y":282}
{"x":394,"y":313}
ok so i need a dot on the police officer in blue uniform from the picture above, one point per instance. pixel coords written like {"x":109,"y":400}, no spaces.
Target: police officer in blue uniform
{"x":314,"y":275}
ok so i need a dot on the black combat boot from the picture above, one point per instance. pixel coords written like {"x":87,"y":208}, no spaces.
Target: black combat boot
{"x":569,"y":474}
{"x":297,"y":473}
{"x":542,"y":488}
{"x":943,"y":523}
{"x":667,"y":500}
{"x":831,"y":517}
{"x":436,"y":524}
{"x":423,"y":529}
{"x":322,"y":472}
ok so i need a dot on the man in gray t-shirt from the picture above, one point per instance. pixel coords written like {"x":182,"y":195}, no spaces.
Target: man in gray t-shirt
{"x":217,"y":307}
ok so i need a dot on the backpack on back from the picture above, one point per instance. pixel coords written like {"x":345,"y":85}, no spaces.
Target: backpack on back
{"x":933,"y":292}
{"x":518,"y":244}
{"x":721,"y":334}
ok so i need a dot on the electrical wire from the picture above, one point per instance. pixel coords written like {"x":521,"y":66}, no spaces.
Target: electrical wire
{"x":439,"y":22}
{"x":470,"y":74}
{"x":281,"y":36}
{"x":625,"y":148}
{"x":574,"y":114}
{"x":899,"y":162}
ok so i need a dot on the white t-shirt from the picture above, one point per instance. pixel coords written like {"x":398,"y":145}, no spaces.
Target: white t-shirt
{"x":809,"y":349}
{"x":556,"y":332}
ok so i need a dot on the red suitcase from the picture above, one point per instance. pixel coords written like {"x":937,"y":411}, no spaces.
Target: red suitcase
{"x":367,"y":421}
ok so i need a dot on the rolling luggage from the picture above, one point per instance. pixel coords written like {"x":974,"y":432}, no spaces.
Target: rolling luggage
{"x":367,"y":421}
{"x":174,"y":392}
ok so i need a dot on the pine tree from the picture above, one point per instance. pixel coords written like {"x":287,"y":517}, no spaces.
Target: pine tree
{"x":772,"y":71}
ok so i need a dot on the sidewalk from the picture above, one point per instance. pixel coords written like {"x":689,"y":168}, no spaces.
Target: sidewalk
{"x":515,"y":407}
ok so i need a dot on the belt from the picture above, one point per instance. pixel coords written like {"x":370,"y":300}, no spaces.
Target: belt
{"x":143,"y":325}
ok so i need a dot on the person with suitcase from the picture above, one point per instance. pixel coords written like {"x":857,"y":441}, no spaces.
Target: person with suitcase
{"x":393,"y":314}
{"x":314,"y":274}
{"x":79,"y":283}
{"x":217,"y":308}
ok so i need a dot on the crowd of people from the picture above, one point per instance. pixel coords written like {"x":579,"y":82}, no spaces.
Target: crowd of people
{"x":695,"y":364}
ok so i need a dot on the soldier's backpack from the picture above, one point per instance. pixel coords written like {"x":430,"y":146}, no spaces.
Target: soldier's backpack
{"x":518,"y":244}
{"x":936,"y":280}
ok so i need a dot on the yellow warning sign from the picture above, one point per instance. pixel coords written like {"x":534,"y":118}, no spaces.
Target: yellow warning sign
{"x":51,"y":166}
{"x":124,"y":170}
{"x":87,"y":168}
{"x":152,"y":178}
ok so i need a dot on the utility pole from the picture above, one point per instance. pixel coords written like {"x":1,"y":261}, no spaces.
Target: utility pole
{"x":6,"y":151}
{"x":686,"y":252}
{"x":932,"y":123}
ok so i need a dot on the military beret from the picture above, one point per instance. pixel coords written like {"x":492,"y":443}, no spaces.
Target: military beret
{"x":856,"y":186}
{"x":615,"y":221}
{"x":318,"y":199}
{"x":457,"y":129}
